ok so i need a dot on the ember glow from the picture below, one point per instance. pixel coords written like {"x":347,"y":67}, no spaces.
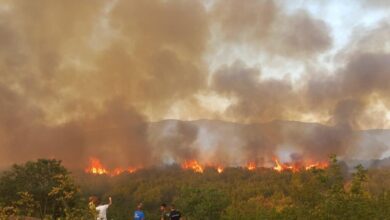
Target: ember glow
{"x":193,"y":165}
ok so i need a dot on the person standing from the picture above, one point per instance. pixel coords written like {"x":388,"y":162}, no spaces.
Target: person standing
{"x":93,"y":201}
{"x":174,"y":214}
{"x":164,"y":212}
{"x":139,"y":214}
{"x":102,"y":210}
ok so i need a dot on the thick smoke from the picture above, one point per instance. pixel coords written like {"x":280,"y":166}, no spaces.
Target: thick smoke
{"x":256,"y":99}
{"x":265,"y":25}
{"x":84,"y":78}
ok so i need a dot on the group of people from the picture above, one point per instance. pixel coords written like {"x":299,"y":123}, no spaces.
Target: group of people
{"x":167,"y":213}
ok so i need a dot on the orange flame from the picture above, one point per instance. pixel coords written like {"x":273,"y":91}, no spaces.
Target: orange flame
{"x":298,"y":166}
{"x":193,"y":165}
{"x":318,"y":165}
{"x":278,"y":167}
{"x":118,"y":171}
{"x":251,"y":166}
{"x":96,"y":167}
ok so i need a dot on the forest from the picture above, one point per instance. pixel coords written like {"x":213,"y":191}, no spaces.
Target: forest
{"x":45,"y":189}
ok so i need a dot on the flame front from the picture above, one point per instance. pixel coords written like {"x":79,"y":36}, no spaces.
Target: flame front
{"x":295,"y":167}
{"x":193,"y":165}
{"x":96,"y":167}
{"x":318,"y":165}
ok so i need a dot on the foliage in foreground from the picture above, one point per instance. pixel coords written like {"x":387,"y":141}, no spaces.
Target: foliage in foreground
{"x":42,"y":189}
{"x":234,"y":194}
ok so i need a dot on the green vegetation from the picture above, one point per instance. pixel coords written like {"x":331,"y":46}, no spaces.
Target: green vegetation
{"x":44,"y":188}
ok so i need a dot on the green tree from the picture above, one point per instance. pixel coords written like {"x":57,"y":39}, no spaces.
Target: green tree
{"x":42,"y":188}
{"x":359,"y":179}
{"x":202,"y":203}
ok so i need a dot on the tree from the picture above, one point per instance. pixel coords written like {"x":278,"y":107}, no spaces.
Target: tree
{"x":42,"y":188}
{"x":359,"y":178}
{"x":202,"y":203}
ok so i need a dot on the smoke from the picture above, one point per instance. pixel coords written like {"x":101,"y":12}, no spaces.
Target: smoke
{"x":117,"y":135}
{"x":173,"y":141}
{"x":256,"y":99}
{"x":265,"y":25}
{"x":82,"y":79}
{"x":78,"y":77}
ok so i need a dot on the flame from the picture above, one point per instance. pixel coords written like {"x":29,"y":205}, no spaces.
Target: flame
{"x":318,"y":165}
{"x":96,"y":167}
{"x":278,"y":167}
{"x":295,"y":167}
{"x":192,"y":164}
{"x":251,"y":166}
{"x":118,"y":171}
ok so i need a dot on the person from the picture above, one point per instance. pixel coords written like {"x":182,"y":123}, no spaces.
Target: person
{"x":139,"y":214}
{"x":93,"y":200}
{"x":174,"y":214}
{"x":102,"y":210}
{"x":164,"y":212}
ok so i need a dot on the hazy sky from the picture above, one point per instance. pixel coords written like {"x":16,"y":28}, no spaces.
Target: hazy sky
{"x":245,"y":61}
{"x":87,"y":76}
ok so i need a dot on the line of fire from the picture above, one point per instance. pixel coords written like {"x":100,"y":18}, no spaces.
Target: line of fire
{"x":96,"y":167}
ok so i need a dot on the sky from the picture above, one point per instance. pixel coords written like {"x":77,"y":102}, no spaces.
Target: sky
{"x":72,"y":68}
{"x":288,"y":43}
{"x":344,"y":20}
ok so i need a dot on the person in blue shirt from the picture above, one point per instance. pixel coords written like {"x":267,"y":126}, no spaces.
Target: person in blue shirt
{"x":139,"y":214}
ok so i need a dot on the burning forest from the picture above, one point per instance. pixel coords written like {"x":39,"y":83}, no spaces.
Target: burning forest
{"x":110,"y":81}
{"x":132,"y":86}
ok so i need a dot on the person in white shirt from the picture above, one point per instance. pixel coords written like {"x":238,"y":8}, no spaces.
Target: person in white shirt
{"x":102,"y":210}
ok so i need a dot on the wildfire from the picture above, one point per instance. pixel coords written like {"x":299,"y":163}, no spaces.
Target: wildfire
{"x":192,"y":164}
{"x":118,"y":171}
{"x":319,"y":165}
{"x":251,"y":166}
{"x":298,"y":166}
{"x":278,"y":167}
{"x":96,"y":167}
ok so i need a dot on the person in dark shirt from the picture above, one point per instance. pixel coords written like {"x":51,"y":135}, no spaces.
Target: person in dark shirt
{"x":174,"y":214}
{"x":164,"y":212}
